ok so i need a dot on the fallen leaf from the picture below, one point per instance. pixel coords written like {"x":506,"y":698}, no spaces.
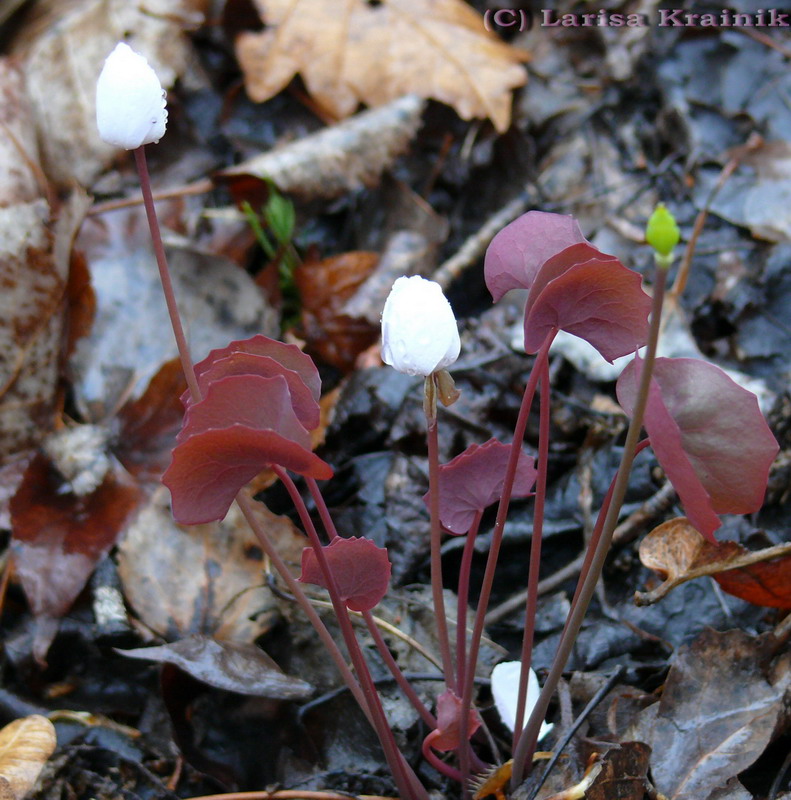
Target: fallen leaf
{"x":25,"y":746}
{"x":679,"y":553}
{"x":58,"y":537}
{"x":339,"y":159}
{"x":324,"y":287}
{"x":205,"y":579}
{"x":717,"y":714}
{"x":231,"y":666}
{"x":353,"y":51}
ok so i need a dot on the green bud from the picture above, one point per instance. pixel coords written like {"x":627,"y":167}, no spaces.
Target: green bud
{"x":662,"y":232}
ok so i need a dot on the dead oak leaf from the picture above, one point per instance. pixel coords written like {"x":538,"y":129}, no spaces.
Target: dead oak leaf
{"x":350,"y":52}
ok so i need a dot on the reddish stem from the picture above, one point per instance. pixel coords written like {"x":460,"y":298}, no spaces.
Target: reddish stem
{"x":436,"y":556}
{"x":535,"y":550}
{"x":463,"y":599}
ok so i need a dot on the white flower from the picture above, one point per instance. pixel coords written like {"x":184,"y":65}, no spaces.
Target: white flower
{"x":419,"y":333}
{"x":130,"y":101}
{"x":505,"y":690}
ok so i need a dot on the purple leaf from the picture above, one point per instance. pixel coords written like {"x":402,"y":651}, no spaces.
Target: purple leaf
{"x":361,"y":570}
{"x":289,"y":355}
{"x":248,"y":400}
{"x":474,"y":480}
{"x":240,"y":363}
{"x":591,"y":295}
{"x":517,"y":252}
{"x":209,"y":468}
{"x":708,"y":434}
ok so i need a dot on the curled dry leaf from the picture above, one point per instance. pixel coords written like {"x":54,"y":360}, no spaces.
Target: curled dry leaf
{"x":232,"y":666}
{"x":352,"y":52}
{"x":679,"y":553}
{"x":339,"y":159}
{"x":25,"y":746}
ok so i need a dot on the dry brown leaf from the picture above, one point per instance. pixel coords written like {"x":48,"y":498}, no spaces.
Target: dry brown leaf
{"x":63,"y":62}
{"x":679,"y":553}
{"x":25,"y":746}
{"x":339,"y":159}
{"x":351,"y":51}
{"x":205,"y":578}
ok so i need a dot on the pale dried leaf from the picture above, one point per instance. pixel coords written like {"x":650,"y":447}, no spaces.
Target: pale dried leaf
{"x":64,"y":61}
{"x":352,"y":51}
{"x":18,"y":147}
{"x":202,"y":579}
{"x":232,"y":666}
{"x":25,"y":746}
{"x":342,"y":158}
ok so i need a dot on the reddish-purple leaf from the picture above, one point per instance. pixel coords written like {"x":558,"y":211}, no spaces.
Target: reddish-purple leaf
{"x":449,"y":710}
{"x":708,"y":434}
{"x":361,"y":570}
{"x":289,"y":355}
{"x":305,"y":406}
{"x":209,"y":468}
{"x":249,"y":400}
{"x":474,"y":480}
{"x":516,"y":253}
{"x":59,"y":537}
{"x":591,"y":295}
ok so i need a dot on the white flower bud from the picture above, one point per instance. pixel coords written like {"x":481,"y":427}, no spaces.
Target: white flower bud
{"x":419,"y":333}
{"x":130,"y":101}
{"x":505,"y":691}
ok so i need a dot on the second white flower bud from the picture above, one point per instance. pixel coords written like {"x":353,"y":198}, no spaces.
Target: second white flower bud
{"x":419,"y":333}
{"x":130,"y":100}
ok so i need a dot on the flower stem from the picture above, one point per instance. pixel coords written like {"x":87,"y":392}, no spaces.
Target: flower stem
{"x":529,"y":736}
{"x":535,"y":549}
{"x":436,"y":542}
{"x":463,"y":599}
{"x":164,"y":275}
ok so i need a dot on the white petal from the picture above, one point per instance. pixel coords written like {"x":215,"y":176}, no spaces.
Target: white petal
{"x":130,"y":101}
{"x":419,"y":332}
{"x":505,"y":690}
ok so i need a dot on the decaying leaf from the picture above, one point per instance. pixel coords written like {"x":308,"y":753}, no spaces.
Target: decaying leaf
{"x":232,"y":666}
{"x":34,"y":258}
{"x":64,"y":61}
{"x":324,"y":287}
{"x":679,"y":553}
{"x":717,"y":714}
{"x":206,"y":579}
{"x":352,"y":51}
{"x":59,"y":535}
{"x":339,"y":159}
{"x":25,"y":746}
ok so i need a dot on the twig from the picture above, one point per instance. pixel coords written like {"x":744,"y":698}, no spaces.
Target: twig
{"x":594,"y":701}
{"x":625,"y":532}
{"x":475,"y":245}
